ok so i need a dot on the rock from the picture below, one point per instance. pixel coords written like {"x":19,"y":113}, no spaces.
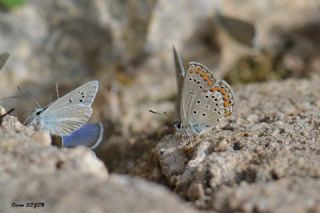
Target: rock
{"x":127,"y":45}
{"x":266,"y":152}
{"x":292,"y":194}
{"x":37,"y":175}
{"x":62,"y":191}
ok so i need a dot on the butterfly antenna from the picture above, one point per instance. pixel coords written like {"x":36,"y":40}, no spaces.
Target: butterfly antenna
{"x":24,"y":112}
{"x":165,"y":114}
{"x":57,"y":90}
{"x":15,"y":96}
{"x":27,"y":95}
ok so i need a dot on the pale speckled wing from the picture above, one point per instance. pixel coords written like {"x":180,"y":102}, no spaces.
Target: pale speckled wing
{"x":83,"y":95}
{"x":89,"y":135}
{"x":213,"y":106}
{"x":3,"y":59}
{"x":64,"y":120}
{"x":71,"y":111}
{"x":206,"y":101}
{"x":197,"y":80}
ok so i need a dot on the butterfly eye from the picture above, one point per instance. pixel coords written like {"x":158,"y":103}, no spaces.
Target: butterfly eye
{"x":39,"y":112}
{"x":178,"y":125}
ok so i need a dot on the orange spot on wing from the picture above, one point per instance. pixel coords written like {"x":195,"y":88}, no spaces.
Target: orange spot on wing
{"x":213,"y":89}
{"x":222,"y":91}
{"x":206,"y":78}
{"x":227,"y":103}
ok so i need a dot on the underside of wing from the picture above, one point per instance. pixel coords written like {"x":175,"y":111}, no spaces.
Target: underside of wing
{"x":89,"y":135}
{"x":65,"y":120}
{"x":3,"y":59}
{"x":84,"y":95}
{"x":208,"y":110}
{"x":197,"y":79}
{"x":213,"y":106}
{"x":180,"y":73}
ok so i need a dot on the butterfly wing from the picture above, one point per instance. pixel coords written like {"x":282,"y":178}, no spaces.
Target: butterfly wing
{"x":89,"y":135}
{"x":241,"y":31}
{"x":71,"y":111}
{"x":84,"y":95}
{"x":206,"y":100}
{"x":3,"y":59}
{"x":180,"y":73}
{"x":213,"y":106}
{"x":64,"y":120}
{"x":197,"y":80}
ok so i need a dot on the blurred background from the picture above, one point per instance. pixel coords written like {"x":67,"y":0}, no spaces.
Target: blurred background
{"x":127,"y":46}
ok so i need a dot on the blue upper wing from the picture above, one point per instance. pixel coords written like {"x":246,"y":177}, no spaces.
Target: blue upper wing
{"x":89,"y":135}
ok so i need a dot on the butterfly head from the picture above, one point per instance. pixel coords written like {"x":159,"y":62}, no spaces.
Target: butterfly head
{"x":177,"y":125}
{"x":34,"y":118}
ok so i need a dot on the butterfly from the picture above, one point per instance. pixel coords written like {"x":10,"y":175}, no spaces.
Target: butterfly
{"x":66,"y":114}
{"x":244,"y":32}
{"x":203,"y":101}
{"x":3,"y":59}
{"x":89,"y":135}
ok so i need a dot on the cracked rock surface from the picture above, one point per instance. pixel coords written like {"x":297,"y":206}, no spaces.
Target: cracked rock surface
{"x":266,"y":158}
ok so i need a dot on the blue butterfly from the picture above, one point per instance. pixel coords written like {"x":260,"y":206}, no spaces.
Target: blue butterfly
{"x":89,"y":135}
